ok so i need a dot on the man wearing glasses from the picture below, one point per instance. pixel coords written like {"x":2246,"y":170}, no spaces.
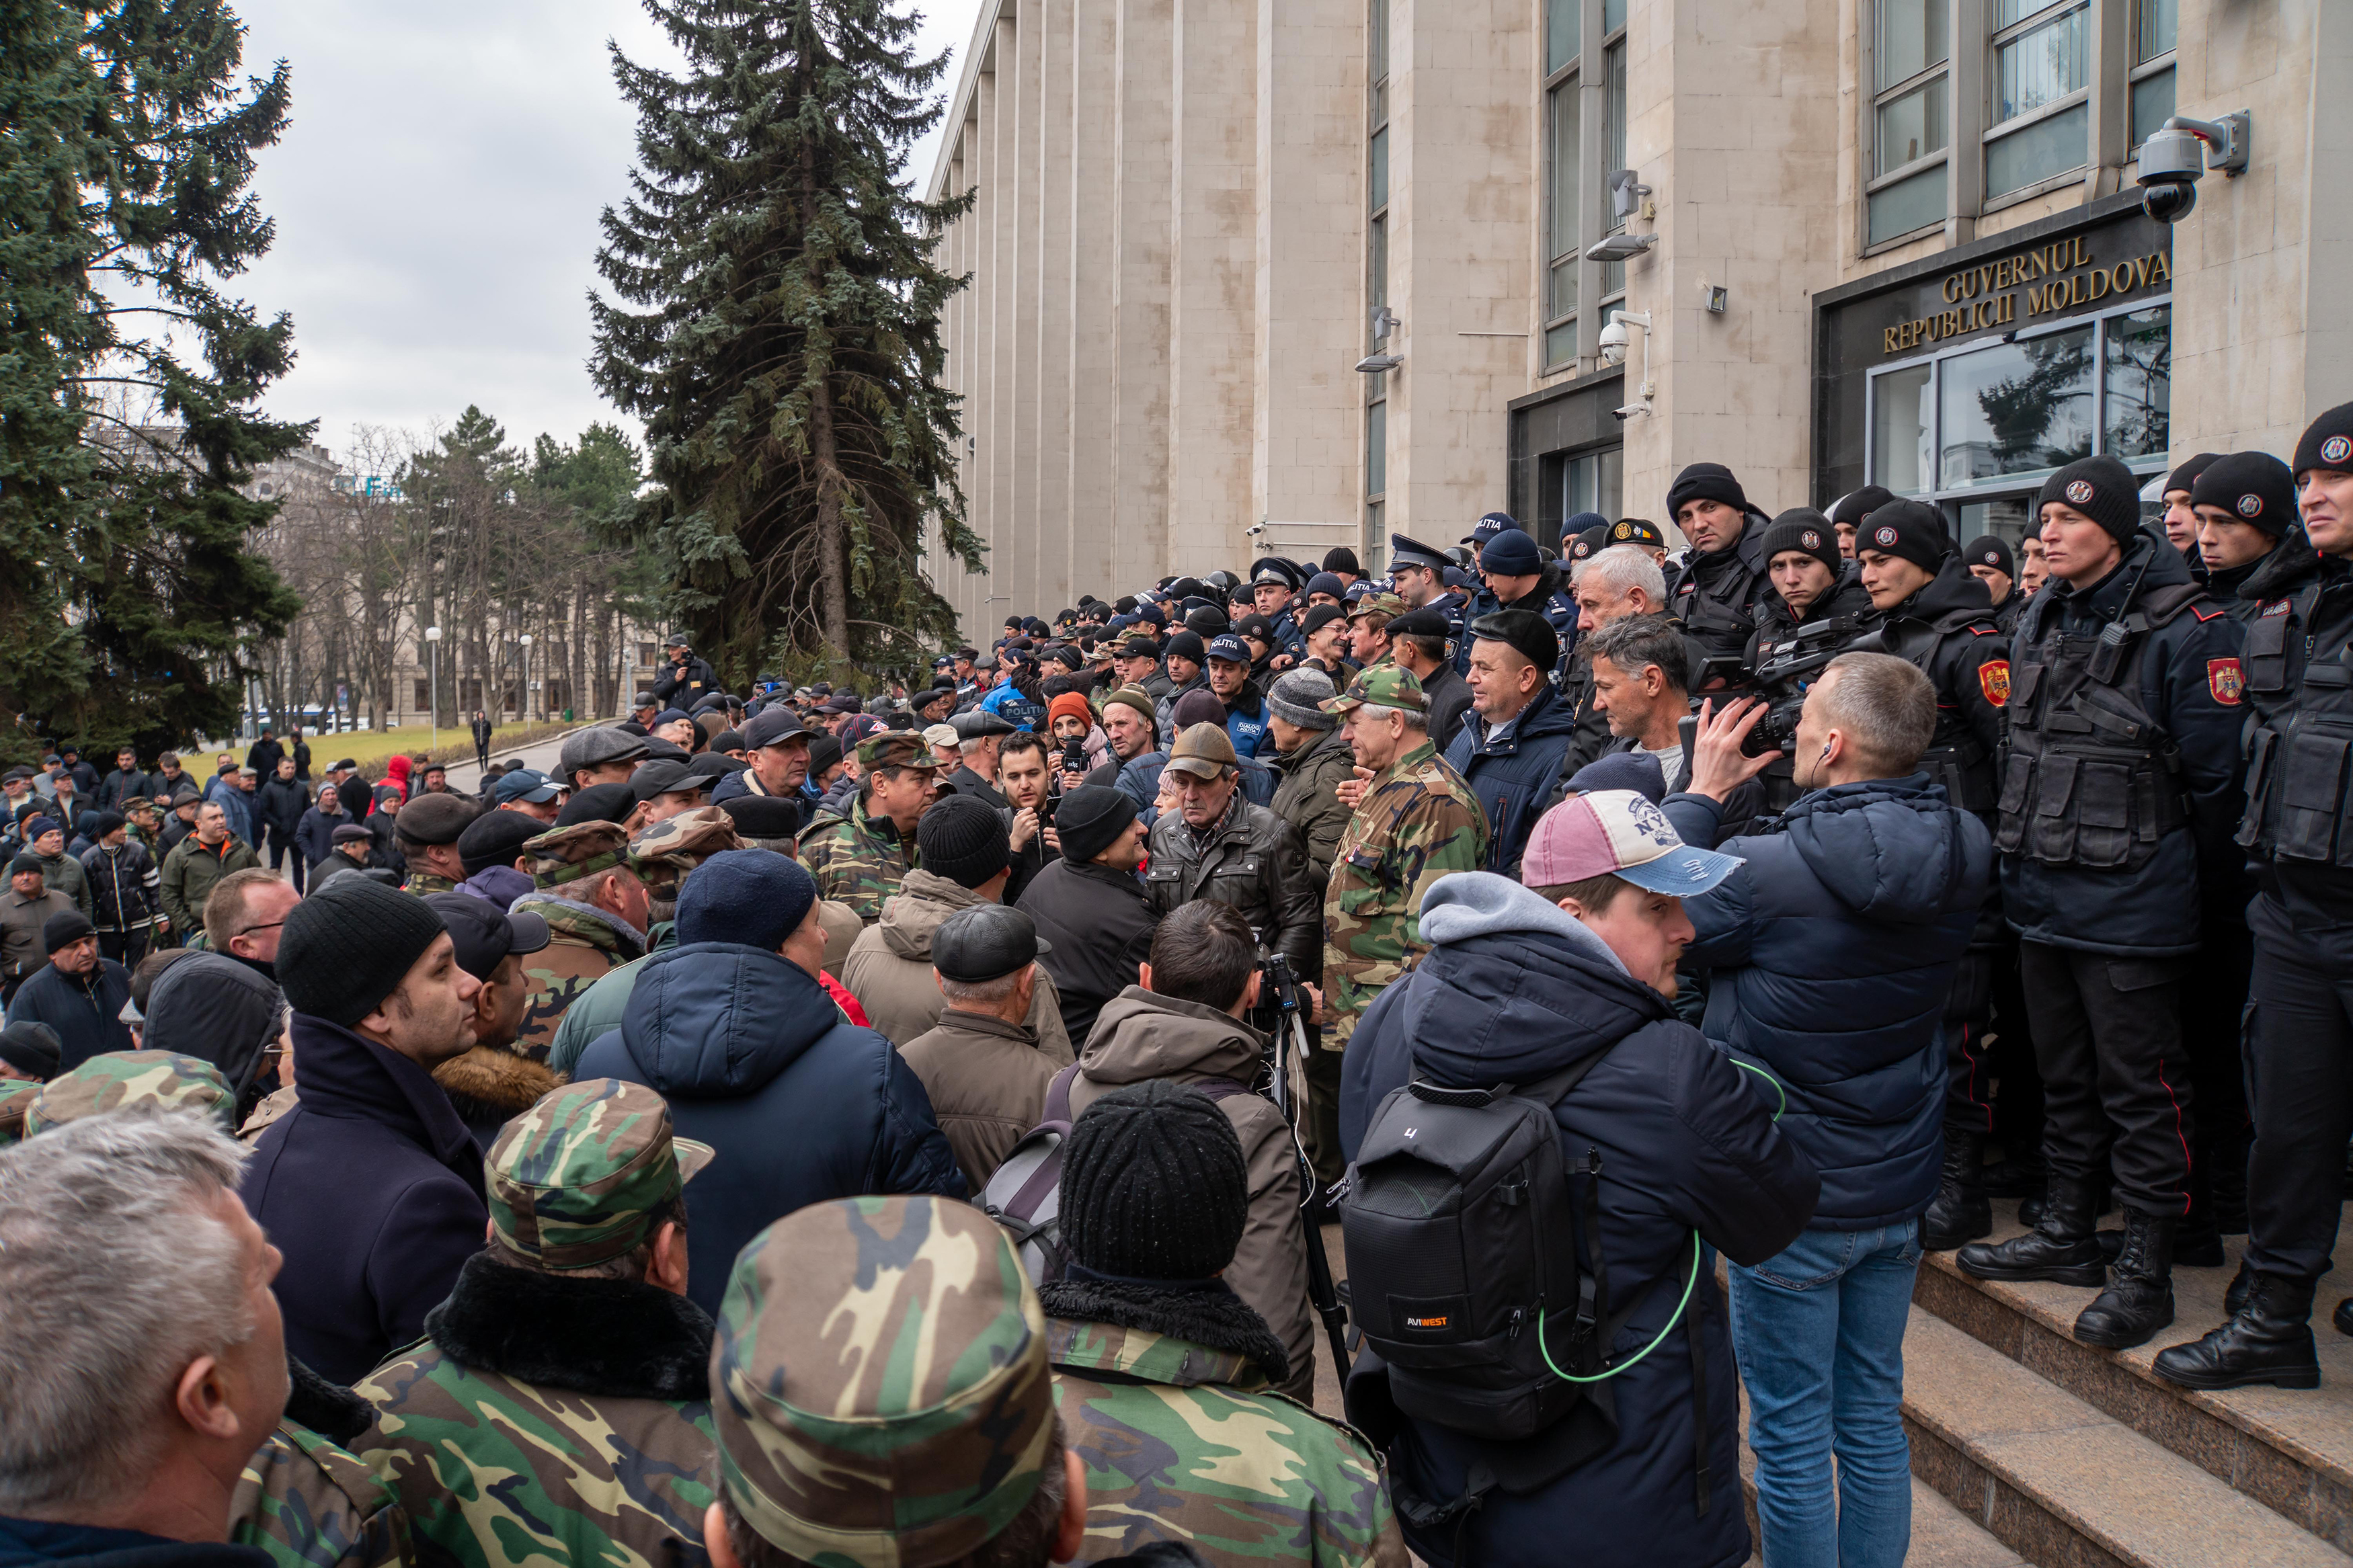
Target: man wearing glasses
{"x":244,"y":914}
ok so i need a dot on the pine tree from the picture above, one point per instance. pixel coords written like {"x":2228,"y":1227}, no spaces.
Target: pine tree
{"x":784,"y":353}
{"x":128,"y":591}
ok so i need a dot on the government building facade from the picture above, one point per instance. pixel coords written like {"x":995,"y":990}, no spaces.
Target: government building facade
{"x":1252,"y":275}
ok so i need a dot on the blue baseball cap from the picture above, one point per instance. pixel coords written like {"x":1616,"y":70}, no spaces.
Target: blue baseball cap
{"x":1487,"y":527}
{"x":524,"y":785}
{"x":1229,"y":647}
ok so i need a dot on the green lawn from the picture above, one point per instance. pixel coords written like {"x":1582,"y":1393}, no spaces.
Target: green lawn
{"x":371,"y":747}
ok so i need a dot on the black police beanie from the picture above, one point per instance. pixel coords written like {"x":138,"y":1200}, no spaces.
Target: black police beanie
{"x":2101,"y":488}
{"x":1990,"y":550}
{"x":2254,"y":488}
{"x":1908,"y":529}
{"x":1705,"y":481}
{"x":349,"y":945}
{"x":2185,"y":476}
{"x":1801,"y":528}
{"x":1851,"y":508}
{"x":961,"y":837}
{"x":2327,"y":442}
{"x":1153,"y":1185}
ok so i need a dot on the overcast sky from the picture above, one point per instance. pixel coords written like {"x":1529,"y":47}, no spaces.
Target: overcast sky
{"x":437,"y":199}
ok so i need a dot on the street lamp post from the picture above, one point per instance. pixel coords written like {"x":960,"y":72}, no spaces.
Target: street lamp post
{"x":523,"y":707}
{"x":433,"y":675}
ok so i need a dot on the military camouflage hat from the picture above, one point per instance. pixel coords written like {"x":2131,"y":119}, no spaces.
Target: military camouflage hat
{"x":663,"y":854}
{"x":1381,"y":685}
{"x":1386,"y":604}
{"x":577,"y":1180}
{"x":878,"y":1383}
{"x":583,"y":849}
{"x":15,"y":1099}
{"x":895,"y":749}
{"x":110,"y":1082}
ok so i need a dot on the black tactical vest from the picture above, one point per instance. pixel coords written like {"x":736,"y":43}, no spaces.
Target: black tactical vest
{"x":2089,"y":778}
{"x":2297,"y":775}
{"x":1956,"y":758}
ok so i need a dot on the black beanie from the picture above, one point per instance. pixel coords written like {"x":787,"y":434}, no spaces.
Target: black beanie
{"x":66,"y":928}
{"x":2101,"y":488}
{"x":1990,"y":550}
{"x":32,"y":1049}
{"x":1851,"y":508}
{"x":961,"y":837}
{"x":1908,"y":529}
{"x":1206,"y":622}
{"x":2254,"y":488}
{"x":1340,"y":557}
{"x":349,"y":945}
{"x":2185,"y":476}
{"x":1803,"y":528}
{"x":1089,"y":821}
{"x":496,"y":839}
{"x":2327,"y":442}
{"x":1705,"y":481}
{"x":1153,"y":1185}
{"x":1186,"y":644}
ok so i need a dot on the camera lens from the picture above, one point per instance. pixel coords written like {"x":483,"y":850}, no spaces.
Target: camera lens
{"x":2168,"y":202}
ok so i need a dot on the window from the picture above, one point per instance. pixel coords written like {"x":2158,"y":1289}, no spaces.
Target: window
{"x":2136,"y":383}
{"x":1901,"y":419}
{"x":2155,"y":25}
{"x":2015,"y":408}
{"x":1564,"y":155}
{"x":1594,"y":481}
{"x":1376,"y":260}
{"x":1911,"y":118}
{"x":1613,"y":135}
{"x":2040,"y":118}
{"x":1376,"y":450}
{"x":424,"y":697}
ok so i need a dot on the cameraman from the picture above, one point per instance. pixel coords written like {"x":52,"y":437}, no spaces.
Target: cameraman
{"x":1833,"y":950}
{"x":1814,"y":590}
{"x":686,"y":681}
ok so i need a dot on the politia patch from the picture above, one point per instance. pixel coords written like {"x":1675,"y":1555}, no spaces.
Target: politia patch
{"x":2078,"y":491}
{"x":2337,"y":449}
{"x":2226,"y":680}
{"x":1993,"y":679}
{"x":1811,"y":538}
{"x":1884,"y":536}
{"x":2250,"y":506}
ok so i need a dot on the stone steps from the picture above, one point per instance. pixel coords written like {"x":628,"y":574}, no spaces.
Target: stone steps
{"x":2292,"y":1452}
{"x":1941,"y":1537}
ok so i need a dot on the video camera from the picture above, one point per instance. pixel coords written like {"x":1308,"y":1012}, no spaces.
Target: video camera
{"x":1286,"y":1052}
{"x":1788,"y":668}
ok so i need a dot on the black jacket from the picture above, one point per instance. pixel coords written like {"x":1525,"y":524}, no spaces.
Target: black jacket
{"x":1948,"y":631}
{"x":262,"y":757}
{"x":1513,"y":773}
{"x":84,"y":1009}
{"x":481,"y":728}
{"x":119,"y":787}
{"x":314,"y":833}
{"x":1513,"y":990}
{"x":126,"y":886}
{"x":36,"y":1544}
{"x":684,"y":685}
{"x":1256,"y":862}
{"x":365,"y":1259}
{"x":280,"y":804}
{"x":1099,"y":923}
{"x":2303,"y":604}
{"x":1714,"y":597}
{"x":1775,"y":623}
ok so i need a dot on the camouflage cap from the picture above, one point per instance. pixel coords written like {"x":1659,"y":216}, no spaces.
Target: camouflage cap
{"x":577,"y":1180}
{"x":878,"y":1383}
{"x":583,"y":849}
{"x":15,"y":1099}
{"x":117,"y":1079}
{"x":1386,"y":604}
{"x":895,"y":749}
{"x":1383,"y":685}
{"x":663,"y":854}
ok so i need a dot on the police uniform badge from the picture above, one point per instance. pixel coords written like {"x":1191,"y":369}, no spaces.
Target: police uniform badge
{"x":2226,"y":680}
{"x":1622,"y":531}
{"x":2337,"y":449}
{"x":1993,"y":679}
{"x":2078,"y":491}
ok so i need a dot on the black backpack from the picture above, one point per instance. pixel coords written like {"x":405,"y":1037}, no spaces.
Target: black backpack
{"x":1475,"y":1273}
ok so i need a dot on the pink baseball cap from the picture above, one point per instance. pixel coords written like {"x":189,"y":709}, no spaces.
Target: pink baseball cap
{"x":1618,"y":833}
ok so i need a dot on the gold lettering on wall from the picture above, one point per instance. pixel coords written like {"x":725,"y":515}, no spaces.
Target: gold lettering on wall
{"x":2060,"y":276}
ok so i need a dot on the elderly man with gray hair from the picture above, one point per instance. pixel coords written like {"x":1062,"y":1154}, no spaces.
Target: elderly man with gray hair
{"x":142,"y":1356}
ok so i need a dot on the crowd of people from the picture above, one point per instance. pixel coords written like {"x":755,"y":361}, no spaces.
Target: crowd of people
{"x":920,"y":1127}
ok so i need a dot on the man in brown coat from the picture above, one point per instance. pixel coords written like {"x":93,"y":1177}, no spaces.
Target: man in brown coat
{"x":1184,"y":1024}
{"x":981,"y":1065}
{"x":967,"y":857}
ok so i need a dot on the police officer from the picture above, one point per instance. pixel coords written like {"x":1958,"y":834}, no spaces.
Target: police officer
{"x":1714,"y":597}
{"x":1939,"y":617}
{"x":2119,"y":792}
{"x":1518,"y":577}
{"x":1992,"y":562}
{"x":1847,"y":512}
{"x":2181,"y":511}
{"x":1418,"y":571}
{"x":1275,"y":584}
{"x":1810,"y":589}
{"x":2299,"y":681}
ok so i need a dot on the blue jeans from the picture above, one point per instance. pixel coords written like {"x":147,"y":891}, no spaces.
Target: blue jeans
{"x":1820,"y":1333}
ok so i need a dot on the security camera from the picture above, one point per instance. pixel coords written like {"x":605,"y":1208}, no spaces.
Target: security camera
{"x":2174,"y":157}
{"x":1627,"y":412}
{"x":1613,"y":343}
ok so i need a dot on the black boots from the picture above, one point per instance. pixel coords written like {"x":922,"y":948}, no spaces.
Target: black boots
{"x":1962,"y":1211}
{"x":2269,"y":1340}
{"x":2343,"y":1318}
{"x":2060,"y":1247}
{"x":2139,"y":1299}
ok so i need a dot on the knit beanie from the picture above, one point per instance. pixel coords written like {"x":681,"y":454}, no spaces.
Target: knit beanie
{"x":755,"y":898}
{"x":2327,"y":443}
{"x":1206,"y":622}
{"x":961,"y":837}
{"x":1909,"y":531}
{"x":1070,"y":705}
{"x":1196,"y":707}
{"x":64,"y":930}
{"x":1187,"y":644}
{"x":1801,"y":528}
{"x":1134,"y":696}
{"x":349,"y":945}
{"x":1705,"y":481}
{"x":1340,"y":557}
{"x":1851,"y":508}
{"x":1153,"y":1185}
{"x":2185,"y":476}
{"x":1298,"y":696}
{"x":2254,"y":488}
{"x":32,"y":1049}
{"x":1990,"y":550}
{"x":104,"y":823}
{"x":1089,"y":821}
{"x":2101,"y":488}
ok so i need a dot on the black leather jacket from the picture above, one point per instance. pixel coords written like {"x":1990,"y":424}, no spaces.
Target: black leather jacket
{"x":1256,"y":862}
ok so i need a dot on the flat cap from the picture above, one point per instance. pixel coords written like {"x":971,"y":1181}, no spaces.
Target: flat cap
{"x":596,"y":746}
{"x":437,"y":819}
{"x":351,"y":832}
{"x":1426,"y":622}
{"x":763,"y":815}
{"x":493,"y":838}
{"x":597,"y":803}
{"x":1204,"y":751}
{"x":985,"y":942}
{"x":977,"y":722}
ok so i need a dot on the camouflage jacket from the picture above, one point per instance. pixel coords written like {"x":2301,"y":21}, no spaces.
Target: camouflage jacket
{"x":497,"y":1470}
{"x":308,"y":1504}
{"x":856,"y":859}
{"x":1186,"y":1443}
{"x":1418,"y":822}
{"x":585,"y":945}
{"x":423,"y":883}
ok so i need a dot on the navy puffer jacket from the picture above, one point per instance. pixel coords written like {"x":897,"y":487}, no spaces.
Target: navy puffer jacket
{"x":802,"y":1106}
{"x":1831,"y":953}
{"x":1513,"y":773}
{"x":1513,"y":990}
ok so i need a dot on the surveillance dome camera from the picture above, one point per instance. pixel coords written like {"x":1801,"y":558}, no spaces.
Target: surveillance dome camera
{"x":2171,"y":161}
{"x":1613,"y":343}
